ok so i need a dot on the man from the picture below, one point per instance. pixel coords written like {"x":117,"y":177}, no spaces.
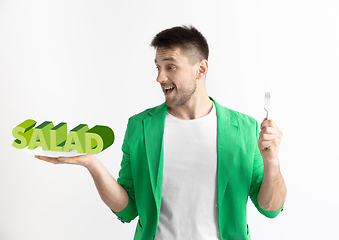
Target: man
{"x":190,"y":164}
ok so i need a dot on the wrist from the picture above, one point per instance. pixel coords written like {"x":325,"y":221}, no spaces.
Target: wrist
{"x":91,"y":162}
{"x":272,"y":166}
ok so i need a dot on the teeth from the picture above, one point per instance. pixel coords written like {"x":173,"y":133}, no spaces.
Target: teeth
{"x":168,"y":88}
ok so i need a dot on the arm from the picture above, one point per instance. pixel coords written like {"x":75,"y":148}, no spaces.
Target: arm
{"x":112,"y":193}
{"x":272,"y":192}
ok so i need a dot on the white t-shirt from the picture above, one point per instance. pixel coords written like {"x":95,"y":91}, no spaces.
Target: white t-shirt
{"x":189,"y":189}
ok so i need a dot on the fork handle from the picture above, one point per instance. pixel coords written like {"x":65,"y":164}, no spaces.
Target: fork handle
{"x":266,"y":119}
{"x":266,"y":114}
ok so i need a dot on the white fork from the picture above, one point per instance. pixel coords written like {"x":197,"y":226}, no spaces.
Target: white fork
{"x":267,"y":103}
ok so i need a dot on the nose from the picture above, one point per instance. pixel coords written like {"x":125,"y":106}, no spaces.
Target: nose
{"x":162,"y":77}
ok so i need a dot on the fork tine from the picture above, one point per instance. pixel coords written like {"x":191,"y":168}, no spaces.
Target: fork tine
{"x":267,"y":98}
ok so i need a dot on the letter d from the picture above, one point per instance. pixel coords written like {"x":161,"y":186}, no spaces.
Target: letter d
{"x":98,"y":139}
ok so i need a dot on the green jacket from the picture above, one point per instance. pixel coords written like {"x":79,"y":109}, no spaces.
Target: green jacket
{"x":239,"y":171}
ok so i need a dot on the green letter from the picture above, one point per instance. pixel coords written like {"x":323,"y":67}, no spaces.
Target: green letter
{"x":76,"y":139}
{"x":98,"y":139}
{"x":23,"y":133}
{"x":40,"y":136}
{"x":58,"y":137}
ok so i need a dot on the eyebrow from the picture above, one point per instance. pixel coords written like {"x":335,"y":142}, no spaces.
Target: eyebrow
{"x":167,"y":59}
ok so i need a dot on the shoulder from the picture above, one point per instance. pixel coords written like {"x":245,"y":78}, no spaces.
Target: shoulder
{"x":232,"y":115}
{"x":248,"y":128}
{"x":244,"y":118}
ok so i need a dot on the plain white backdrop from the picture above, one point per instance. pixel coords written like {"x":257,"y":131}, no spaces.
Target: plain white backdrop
{"x":90,"y":62}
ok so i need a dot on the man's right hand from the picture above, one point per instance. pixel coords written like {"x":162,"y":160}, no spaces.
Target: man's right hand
{"x":83,"y":160}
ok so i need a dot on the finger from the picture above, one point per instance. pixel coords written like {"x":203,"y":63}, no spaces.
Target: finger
{"x":69,"y":160}
{"x":267,"y":149}
{"x":268,"y":137}
{"x":48,"y":159}
{"x":268,"y":131}
{"x":273,"y":143}
{"x":271,"y":130}
{"x":78,"y":160}
{"x":262,"y":123}
{"x":264,"y":145}
{"x":269,"y":122}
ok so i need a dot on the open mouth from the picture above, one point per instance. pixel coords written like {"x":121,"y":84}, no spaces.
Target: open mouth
{"x":168,"y":90}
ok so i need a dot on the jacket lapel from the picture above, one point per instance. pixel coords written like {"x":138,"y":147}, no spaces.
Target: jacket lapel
{"x":226,"y":140}
{"x":154,"y":131}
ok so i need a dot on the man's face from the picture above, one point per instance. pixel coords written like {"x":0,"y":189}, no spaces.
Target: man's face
{"x":175,"y":75}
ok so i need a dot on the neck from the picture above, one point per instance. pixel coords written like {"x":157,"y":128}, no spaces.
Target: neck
{"x":199,"y":105}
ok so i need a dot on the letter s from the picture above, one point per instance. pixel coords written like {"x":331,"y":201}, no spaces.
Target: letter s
{"x":23,"y":133}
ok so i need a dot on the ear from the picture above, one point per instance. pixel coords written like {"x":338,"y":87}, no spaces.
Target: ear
{"x":202,"y":68}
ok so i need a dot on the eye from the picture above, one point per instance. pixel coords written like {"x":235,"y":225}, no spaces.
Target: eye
{"x":157,"y":68}
{"x":171,"y":67}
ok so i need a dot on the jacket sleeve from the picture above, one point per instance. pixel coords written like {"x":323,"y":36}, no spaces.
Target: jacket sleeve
{"x":257,"y":176}
{"x":126,"y":181}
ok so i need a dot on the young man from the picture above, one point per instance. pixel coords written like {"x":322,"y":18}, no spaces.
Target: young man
{"x":190,"y":164}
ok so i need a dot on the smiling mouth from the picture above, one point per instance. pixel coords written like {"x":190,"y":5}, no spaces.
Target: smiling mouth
{"x":168,"y":90}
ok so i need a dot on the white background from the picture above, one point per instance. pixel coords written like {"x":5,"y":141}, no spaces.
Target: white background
{"x":90,"y":62}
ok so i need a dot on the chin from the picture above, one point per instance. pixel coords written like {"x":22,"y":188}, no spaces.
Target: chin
{"x":176,"y":102}
{"x":171,"y":103}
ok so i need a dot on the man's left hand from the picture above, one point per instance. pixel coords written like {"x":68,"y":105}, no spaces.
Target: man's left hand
{"x":269,"y":141}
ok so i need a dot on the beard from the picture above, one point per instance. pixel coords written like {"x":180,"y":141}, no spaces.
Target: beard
{"x":182,"y":95}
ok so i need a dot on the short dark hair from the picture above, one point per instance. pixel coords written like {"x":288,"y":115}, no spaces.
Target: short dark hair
{"x":187,"y":38}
